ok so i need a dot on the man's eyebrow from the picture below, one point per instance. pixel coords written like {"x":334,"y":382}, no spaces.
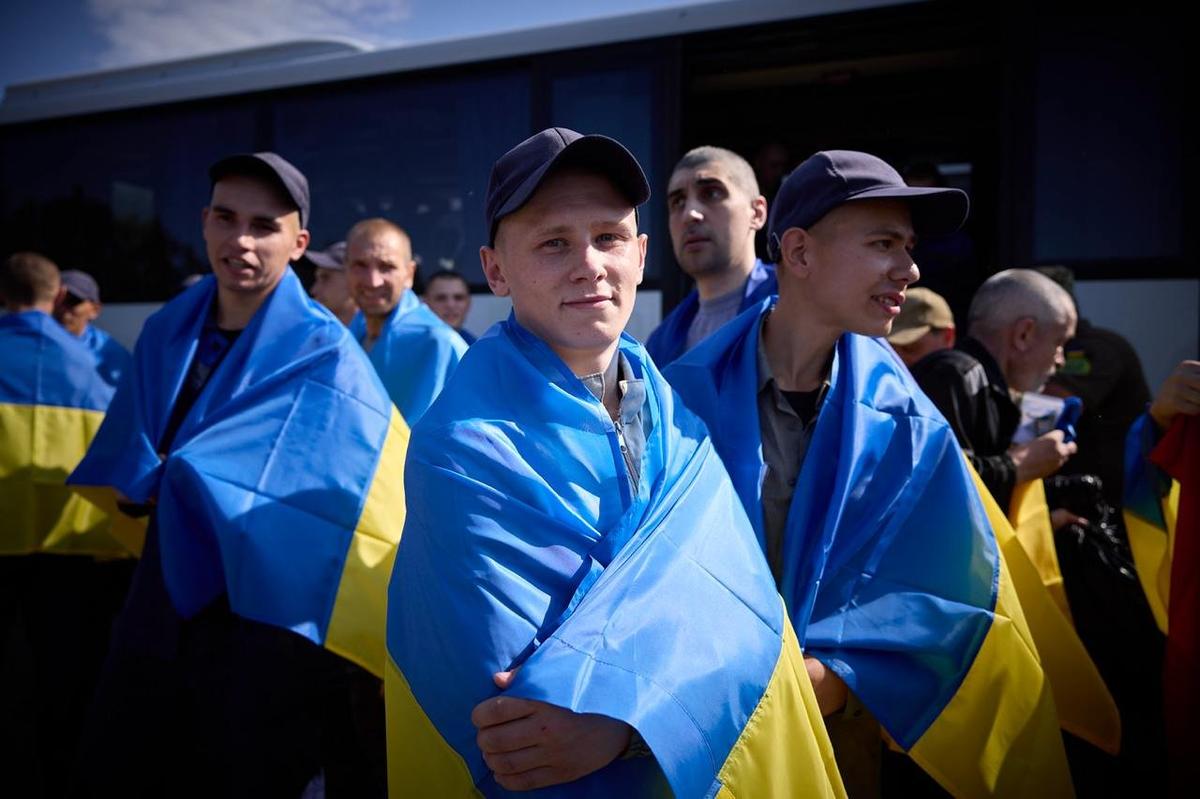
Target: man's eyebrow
{"x":710,"y":182}
{"x":891,"y":232}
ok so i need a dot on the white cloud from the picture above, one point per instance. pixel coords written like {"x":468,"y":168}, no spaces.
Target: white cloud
{"x":140,"y":31}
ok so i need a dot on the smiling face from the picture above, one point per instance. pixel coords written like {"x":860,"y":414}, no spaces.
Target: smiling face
{"x":571,"y":260}
{"x":251,"y":233}
{"x":712,"y":219}
{"x":853,"y":265}
{"x":379,"y":269}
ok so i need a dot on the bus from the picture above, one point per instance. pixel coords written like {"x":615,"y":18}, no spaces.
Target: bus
{"x":1067,"y":130}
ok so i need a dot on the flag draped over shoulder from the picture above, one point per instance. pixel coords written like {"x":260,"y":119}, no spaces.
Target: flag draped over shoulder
{"x":892,"y":574}
{"x":282,"y":487}
{"x":52,"y":401}
{"x":527,"y":544}
{"x":1162,"y":516}
{"x":414,"y":356}
{"x":669,"y":339}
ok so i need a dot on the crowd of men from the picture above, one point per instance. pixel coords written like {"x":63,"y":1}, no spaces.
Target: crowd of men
{"x":808,"y":540}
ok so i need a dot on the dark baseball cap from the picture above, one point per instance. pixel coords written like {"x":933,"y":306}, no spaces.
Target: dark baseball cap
{"x":275,"y":169}
{"x":833,"y":177}
{"x":519,"y":172}
{"x":332,"y":257}
{"x":81,"y":284}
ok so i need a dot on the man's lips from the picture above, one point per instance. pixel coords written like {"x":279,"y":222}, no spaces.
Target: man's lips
{"x":890,"y":301}
{"x":593,"y":301}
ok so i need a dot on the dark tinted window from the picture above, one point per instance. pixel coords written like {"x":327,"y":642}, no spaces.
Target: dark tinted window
{"x":417,"y":152}
{"x":119,"y":195}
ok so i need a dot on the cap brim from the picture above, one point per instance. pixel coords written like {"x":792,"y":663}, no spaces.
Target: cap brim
{"x":903,"y":338}
{"x":249,"y":164}
{"x":936,"y":211}
{"x":597,"y":153}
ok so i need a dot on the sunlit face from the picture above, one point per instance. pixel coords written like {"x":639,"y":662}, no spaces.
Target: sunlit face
{"x":855,"y":264}
{"x":251,"y":234}
{"x":712,"y":220}
{"x":571,"y":260}
{"x":74,"y":313}
{"x":1037,"y":352}
{"x":331,"y":289}
{"x":379,"y":269}
{"x":449,"y":299}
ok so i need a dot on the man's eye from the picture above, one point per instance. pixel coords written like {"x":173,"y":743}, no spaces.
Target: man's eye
{"x":554,"y":244}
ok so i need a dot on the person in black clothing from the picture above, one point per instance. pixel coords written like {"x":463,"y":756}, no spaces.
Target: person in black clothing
{"x":1104,"y":371}
{"x":1017,"y":325}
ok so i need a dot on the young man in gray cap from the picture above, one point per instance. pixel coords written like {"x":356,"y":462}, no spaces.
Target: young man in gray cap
{"x":573,"y":545}
{"x":859,"y":494}
{"x":329,"y":281}
{"x":77,"y":306}
{"x":216,"y":683}
{"x":715,"y":211}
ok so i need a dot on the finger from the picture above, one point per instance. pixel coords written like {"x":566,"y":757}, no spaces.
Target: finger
{"x":501,"y":709}
{"x":532,"y":779}
{"x":503,"y":679}
{"x":510,"y":736}
{"x":515,"y":762}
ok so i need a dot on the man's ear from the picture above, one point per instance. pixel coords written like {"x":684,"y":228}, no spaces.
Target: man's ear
{"x":302,"y":239}
{"x":643,"y":243}
{"x":758,"y":207}
{"x":412,"y":274}
{"x":493,"y":271}
{"x":1022,"y":334}
{"x":795,"y":252}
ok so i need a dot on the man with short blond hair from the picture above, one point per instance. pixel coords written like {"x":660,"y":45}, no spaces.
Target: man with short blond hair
{"x":413,"y":351}
{"x":579,"y":601}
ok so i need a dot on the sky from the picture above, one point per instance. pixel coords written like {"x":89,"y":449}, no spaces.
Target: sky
{"x":52,"y":38}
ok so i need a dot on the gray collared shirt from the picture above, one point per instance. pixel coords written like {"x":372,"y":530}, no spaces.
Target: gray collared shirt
{"x":785,"y":437}
{"x":633,"y":426}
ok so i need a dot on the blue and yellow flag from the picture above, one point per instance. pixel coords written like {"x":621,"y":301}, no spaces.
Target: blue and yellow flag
{"x":1151,"y":508}
{"x":415,"y":355}
{"x":52,"y":401}
{"x":892,"y":574}
{"x":669,"y":339}
{"x":111,"y":358}
{"x":282,"y":487}
{"x":527,"y":544}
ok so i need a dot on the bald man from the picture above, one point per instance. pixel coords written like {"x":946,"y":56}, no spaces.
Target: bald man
{"x":413,"y":350}
{"x":1017,"y":325}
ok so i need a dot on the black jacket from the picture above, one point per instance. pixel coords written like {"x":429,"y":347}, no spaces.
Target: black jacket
{"x":968,"y":388}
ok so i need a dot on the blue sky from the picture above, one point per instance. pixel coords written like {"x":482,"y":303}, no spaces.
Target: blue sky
{"x":51,"y":38}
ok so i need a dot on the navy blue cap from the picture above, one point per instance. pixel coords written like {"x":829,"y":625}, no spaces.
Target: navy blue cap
{"x":332,"y":257}
{"x":519,"y":172}
{"x":833,"y":177}
{"x":81,"y":284}
{"x":272,"y":167}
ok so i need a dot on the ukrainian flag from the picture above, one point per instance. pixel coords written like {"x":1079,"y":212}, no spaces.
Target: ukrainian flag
{"x":414,"y":356}
{"x":52,"y":400}
{"x":1151,"y":509}
{"x":282,"y":488}
{"x":892,"y":573}
{"x":526,"y":544}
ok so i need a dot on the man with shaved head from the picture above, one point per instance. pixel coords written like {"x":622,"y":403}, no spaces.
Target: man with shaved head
{"x":1016,"y":327}
{"x":715,"y":210}
{"x":413,"y":350}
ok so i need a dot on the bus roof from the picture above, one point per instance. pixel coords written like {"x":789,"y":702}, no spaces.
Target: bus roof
{"x":321,"y":61}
